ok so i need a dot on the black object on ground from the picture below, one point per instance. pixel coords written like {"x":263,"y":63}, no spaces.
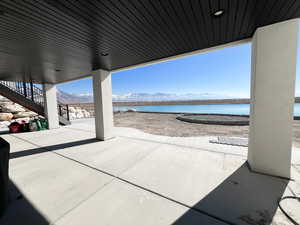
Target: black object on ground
{"x":4,"y":180}
{"x":215,"y":119}
{"x":285,"y":212}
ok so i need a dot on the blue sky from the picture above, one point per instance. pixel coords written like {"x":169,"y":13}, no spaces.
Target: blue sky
{"x":224,"y":72}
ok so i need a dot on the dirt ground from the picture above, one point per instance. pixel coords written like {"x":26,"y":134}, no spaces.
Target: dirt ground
{"x":168,"y":125}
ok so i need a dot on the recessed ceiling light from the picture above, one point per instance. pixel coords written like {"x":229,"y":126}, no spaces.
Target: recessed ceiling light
{"x":219,"y":12}
{"x":104,"y":54}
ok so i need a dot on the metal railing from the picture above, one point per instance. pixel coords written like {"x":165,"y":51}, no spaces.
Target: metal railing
{"x":27,"y":90}
{"x":63,"y":110}
{"x":35,"y":94}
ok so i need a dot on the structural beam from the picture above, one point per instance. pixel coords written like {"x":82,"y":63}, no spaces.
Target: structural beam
{"x":274,"y":53}
{"x":103,"y":104}
{"x":50,"y":101}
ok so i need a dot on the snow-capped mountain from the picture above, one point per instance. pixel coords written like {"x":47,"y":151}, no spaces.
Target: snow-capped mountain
{"x":69,"y":98}
{"x":168,"y":96}
{"x":141,"y":97}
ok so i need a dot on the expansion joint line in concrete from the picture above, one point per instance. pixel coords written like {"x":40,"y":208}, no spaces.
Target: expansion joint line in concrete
{"x":83,"y":201}
{"x":182,"y":146}
{"x":87,"y":131}
{"x":116,"y":177}
{"x":167,"y":143}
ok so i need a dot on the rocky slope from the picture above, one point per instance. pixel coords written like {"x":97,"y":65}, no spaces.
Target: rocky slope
{"x":10,"y":111}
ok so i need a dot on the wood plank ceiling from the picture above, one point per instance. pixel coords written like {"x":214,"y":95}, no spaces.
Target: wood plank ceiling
{"x":54,"y":41}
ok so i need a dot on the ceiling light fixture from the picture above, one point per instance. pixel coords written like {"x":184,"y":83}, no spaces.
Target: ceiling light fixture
{"x":218,"y":13}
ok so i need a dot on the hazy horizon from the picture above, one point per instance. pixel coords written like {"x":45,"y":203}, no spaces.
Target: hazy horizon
{"x":147,"y":97}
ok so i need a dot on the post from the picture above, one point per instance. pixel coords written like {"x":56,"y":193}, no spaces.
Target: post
{"x":274,"y":53}
{"x":68,"y":113}
{"x":103,"y":104}
{"x":59,"y":110}
{"x":24,"y":89}
{"x":50,"y":104}
{"x":31,"y":90}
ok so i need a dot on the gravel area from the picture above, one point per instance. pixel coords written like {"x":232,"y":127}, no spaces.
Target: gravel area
{"x":168,"y":125}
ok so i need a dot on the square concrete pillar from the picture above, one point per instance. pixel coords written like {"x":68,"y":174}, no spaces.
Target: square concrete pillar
{"x":103,"y":104}
{"x":50,"y":102}
{"x":274,"y":53}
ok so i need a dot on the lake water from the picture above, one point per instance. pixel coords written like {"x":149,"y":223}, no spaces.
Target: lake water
{"x":237,"y":109}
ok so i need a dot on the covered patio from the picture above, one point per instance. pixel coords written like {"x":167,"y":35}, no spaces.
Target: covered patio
{"x":51,"y":42}
{"x":66,"y":176}
{"x":93,"y":173}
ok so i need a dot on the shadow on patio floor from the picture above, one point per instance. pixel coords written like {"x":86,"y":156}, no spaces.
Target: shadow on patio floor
{"x":14,"y":155}
{"x":243,"y":198}
{"x":21,"y":211}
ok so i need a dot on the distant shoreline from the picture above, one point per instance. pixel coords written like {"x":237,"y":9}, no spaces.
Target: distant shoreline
{"x":191,"y":102}
{"x":182,"y":102}
{"x":185,"y":102}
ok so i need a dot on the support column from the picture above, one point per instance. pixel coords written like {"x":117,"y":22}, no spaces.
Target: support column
{"x":274,"y":53}
{"x":50,"y":101}
{"x":103,"y":104}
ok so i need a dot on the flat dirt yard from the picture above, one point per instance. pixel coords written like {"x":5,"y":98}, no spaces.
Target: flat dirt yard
{"x":168,"y":125}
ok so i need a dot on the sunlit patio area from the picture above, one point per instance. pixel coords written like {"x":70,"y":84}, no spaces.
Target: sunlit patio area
{"x":66,"y":176}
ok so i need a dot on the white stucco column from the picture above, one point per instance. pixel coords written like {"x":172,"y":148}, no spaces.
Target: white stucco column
{"x":274,"y":53}
{"x":50,"y":101}
{"x":103,"y":104}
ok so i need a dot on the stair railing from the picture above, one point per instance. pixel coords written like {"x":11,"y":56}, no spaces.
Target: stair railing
{"x":63,"y":110}
{"x":27,"y":90}
{"x":34,"y":93}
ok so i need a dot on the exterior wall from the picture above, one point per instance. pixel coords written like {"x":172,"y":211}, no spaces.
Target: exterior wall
{"x":274,"y":51}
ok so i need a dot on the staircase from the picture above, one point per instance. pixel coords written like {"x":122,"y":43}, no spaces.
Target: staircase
{"x":31,"y":97}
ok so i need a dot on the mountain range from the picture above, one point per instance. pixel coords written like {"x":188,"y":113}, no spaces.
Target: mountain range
{"x":69,"y":98}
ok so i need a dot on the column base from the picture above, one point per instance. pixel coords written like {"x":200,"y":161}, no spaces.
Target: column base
{"x":266,"y":174}
{"x":106,"y":138}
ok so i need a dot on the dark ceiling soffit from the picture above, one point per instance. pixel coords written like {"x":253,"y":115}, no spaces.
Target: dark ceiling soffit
{"x":79,"y":36}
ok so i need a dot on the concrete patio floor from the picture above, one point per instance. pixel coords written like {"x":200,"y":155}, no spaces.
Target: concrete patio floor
{"x":67,"y":177}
